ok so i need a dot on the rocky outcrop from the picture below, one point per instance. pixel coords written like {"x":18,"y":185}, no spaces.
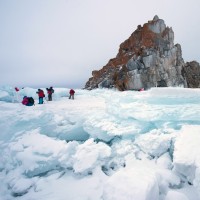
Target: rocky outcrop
{"x":191,"y":72}
{"x":148,"y":58}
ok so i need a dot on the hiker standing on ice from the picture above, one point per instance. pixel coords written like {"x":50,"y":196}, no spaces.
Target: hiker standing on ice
{"x":40,"y":95}
{"x":71,"y":94}
{"x":50,"y":91}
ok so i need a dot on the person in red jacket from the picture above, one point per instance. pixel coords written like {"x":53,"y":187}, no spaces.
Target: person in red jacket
{"x":40,"y":95}
{"x":71,"y":94}
{"x":28,"y":101}
{"x":25,"y":100}
{"x":16,"y":89}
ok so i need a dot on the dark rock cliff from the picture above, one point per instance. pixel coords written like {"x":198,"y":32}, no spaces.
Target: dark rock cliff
{"x":191,"y":72}
{"x":148,"y":58}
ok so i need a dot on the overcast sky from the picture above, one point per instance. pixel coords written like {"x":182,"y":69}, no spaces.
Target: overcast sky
{"x":59,"y":42}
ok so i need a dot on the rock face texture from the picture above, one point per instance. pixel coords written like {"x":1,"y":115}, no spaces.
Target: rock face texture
{"x":191,"y":72}
{"x":148,"y":58}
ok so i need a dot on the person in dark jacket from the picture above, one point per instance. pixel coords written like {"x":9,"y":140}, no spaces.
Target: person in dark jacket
{"x":40,"y":95}
{"x":71,"y":94}
{"x":50,"y":91}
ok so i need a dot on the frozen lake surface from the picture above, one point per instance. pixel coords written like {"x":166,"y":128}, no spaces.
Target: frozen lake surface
{"x":104,"y":145}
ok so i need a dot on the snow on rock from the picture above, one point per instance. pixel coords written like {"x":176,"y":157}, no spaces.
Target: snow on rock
{"x":186,"y":158}
{"x":89,"y":155}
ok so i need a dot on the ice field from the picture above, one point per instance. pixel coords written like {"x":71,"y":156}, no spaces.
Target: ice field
{"x":104,"y":145}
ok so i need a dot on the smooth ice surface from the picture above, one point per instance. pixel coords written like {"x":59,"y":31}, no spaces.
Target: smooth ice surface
{"x":103,"y":145}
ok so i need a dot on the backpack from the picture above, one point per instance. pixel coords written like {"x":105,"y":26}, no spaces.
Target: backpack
{"x":31,"y":100}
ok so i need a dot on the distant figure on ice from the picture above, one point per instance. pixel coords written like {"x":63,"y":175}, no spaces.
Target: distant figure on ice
{"x":71,"y":94}
{"x":16,"y":95}
{"x":140,"y":90}
{"x":50,"y":91}
{"x":40,"y":95}
{"x":16,"y":89}
{"x":28,"y":101}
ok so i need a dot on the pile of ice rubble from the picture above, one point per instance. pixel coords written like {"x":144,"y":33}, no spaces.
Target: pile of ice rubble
{"x":104,"y":145}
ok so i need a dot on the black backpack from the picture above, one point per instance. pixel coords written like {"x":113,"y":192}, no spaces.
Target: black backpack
{"x":31,"y":100}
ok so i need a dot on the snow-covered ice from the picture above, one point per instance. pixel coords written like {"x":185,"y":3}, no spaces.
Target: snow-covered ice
{"x":104,"y":145}
{"x":187,"y":154}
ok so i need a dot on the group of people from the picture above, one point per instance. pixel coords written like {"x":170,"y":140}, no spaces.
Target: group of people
{"x":29,"y":101}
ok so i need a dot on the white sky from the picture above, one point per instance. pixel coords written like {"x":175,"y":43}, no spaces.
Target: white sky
{"x":59,"y":42}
